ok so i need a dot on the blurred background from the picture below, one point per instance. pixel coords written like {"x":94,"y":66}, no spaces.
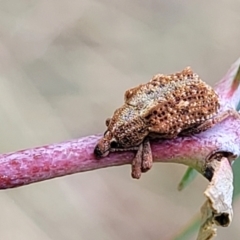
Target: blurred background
{"x":64,"y":67}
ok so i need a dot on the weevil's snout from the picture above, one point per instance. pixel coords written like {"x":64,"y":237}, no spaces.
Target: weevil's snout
{"x":102,"y":148}
{"x":97,"y":152}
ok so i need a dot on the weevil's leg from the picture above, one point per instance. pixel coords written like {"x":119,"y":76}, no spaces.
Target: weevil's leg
{"x":137,"y":163}
{"x":213,"y":121}
{"x":147,"y":160}
{"x":123,"y":149}
{"x":107,"y":121}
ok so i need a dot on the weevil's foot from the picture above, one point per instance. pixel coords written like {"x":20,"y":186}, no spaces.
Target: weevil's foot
{"x":147,"y":163}
{"x":146,"y":166}
{"x":147,"y":160}
{"x":136,"y":168}
{"x":136,"y":173}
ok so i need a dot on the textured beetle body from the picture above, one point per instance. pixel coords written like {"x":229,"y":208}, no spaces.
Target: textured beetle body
{"x":165,"y":107}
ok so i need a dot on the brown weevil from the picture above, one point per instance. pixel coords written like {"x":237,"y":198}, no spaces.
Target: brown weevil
{"x":166,"y":107}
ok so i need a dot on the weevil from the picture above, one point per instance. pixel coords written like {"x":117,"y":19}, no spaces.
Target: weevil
{"x":166,"y":107}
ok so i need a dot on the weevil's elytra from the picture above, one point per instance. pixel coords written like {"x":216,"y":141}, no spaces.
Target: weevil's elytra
{"x":165,"y":107}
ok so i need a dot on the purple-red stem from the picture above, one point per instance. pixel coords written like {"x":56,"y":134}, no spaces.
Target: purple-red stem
{"x":42,"y":163}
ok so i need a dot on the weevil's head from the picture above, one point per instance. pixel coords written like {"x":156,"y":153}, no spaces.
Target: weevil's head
{"x":110,"y":142}
{"x":124,"y":137}
{"x":125,"y":130}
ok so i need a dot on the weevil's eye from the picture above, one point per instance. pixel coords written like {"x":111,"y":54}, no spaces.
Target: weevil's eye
{"x":113,"y":144}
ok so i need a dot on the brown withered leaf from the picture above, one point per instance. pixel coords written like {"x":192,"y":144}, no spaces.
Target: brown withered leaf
{"x":217,"y":210}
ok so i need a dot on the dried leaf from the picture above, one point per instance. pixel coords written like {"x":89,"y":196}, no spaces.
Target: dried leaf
{"x":217,"y":210}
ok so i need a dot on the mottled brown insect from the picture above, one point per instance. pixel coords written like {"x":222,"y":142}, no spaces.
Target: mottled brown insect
{"x":165,"y":107}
